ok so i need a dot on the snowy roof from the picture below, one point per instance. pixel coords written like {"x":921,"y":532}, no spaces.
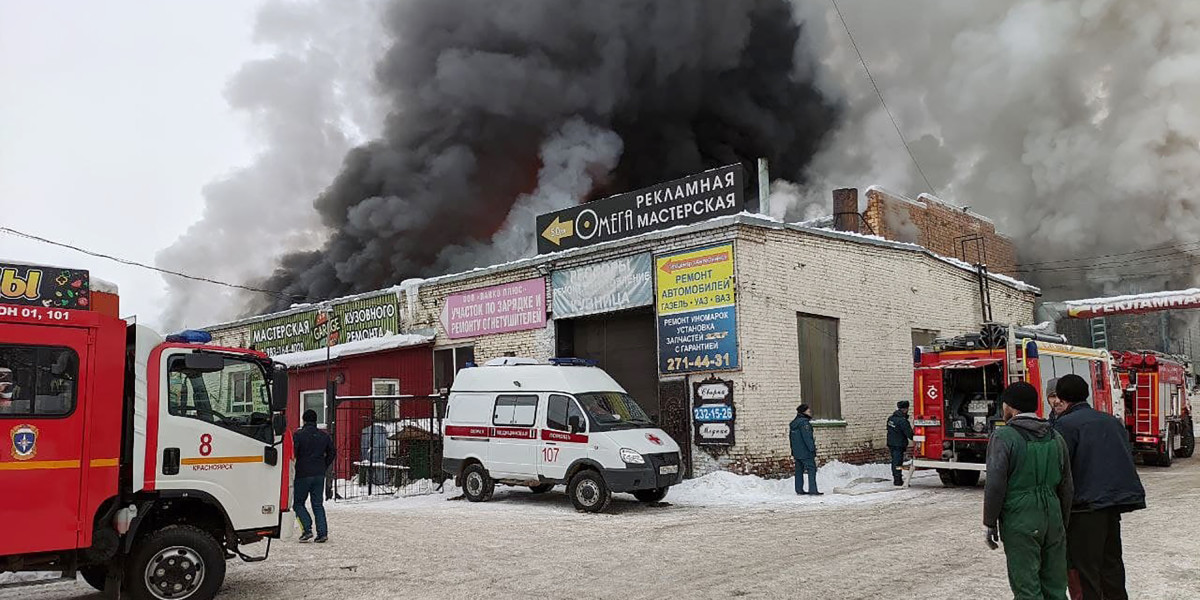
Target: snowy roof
{"x":1190,"y":293}
{"x":816,"y":227}
{"x":387,"y":342}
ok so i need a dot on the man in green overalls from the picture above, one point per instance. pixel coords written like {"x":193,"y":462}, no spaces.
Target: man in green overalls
{"x":1027,"y":497}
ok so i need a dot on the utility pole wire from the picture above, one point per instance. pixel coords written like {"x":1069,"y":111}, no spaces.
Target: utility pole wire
{"x":881,"y":100}
{"x":133,"y":263}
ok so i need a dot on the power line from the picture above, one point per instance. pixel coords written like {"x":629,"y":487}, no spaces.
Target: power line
{"x":881,"y":100}
{"x":133,"y":263}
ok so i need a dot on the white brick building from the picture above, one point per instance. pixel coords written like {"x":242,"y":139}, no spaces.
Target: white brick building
{"x":883,"y":295}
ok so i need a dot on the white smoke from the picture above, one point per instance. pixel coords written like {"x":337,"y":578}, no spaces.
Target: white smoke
{"x":574,"y":160}
{"x":307,"y":104}
{"x":1071,"y":122}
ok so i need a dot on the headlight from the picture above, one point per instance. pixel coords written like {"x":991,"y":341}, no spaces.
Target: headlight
{"x":631,"y":457}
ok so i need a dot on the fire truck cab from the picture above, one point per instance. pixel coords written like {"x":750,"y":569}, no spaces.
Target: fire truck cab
{"x":1158,"y":413}
{"x":141,"y":463}
{"x":957,"y":384}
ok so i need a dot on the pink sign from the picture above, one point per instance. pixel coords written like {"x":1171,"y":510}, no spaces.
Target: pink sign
{"x":498,"y":309}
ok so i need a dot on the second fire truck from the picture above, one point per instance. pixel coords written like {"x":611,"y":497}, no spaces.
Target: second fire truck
{"x":1158,"y":414}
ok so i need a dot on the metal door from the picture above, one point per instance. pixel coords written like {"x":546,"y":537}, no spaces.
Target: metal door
{"x":676,"y":418}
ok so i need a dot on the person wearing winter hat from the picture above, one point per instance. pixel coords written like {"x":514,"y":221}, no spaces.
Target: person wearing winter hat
{"x":1027,"y":497}
{"x":1106,"y":486}
{"x":314,"y":452}
{"x":804,"y":450}
{"x":899,"y":434}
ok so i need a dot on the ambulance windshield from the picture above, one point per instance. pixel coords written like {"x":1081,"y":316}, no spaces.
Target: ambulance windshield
{"x":613,"y":410}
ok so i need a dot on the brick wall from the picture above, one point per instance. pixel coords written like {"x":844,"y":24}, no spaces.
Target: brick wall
{"x":879,"y":293}
{"x":939,"y":226}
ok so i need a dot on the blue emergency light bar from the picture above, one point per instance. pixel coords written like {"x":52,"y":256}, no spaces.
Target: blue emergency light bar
{"x":573,"y":362}
{"x":190,"y":336}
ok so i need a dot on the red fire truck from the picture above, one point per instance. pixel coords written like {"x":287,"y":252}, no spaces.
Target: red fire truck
{"x":142,"y":464}
{"x":957,"y":384}
{"x":1157,"y":412}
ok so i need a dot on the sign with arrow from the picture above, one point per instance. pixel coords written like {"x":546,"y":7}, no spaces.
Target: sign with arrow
{"x":697,"y":316}
{"x":713,"y":193}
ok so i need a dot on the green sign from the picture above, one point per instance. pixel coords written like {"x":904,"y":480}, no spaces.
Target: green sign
{"x":282,"y":335}
{"x":366,"y":318}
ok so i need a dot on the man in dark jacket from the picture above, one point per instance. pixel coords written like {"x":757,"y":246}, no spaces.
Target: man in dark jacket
{"x":314,"y":453}
{"x":899,"y":433}
{"x":1106,"y":485}
{"x":1027,"y":497}
{"x":804,"y":450}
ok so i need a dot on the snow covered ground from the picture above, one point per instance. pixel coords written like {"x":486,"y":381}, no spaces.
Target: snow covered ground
{"x":719,"y":536}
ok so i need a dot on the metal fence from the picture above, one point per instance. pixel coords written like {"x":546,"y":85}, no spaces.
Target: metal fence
{"x":387,"y":446}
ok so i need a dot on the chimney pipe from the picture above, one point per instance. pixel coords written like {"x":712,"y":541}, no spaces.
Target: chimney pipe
{"x":845,"y":210}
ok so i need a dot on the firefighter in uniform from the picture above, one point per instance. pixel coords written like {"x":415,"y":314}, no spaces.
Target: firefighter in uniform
{"x":1027,"y":498}
{"x":899,"y":433}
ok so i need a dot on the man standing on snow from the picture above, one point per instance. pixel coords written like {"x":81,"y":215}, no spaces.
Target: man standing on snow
{"x":1027,"y":497}
{"x":899,"y":433}
{"x":1106,"y":486}
{"x":314,"y":452}
{"x":804,"y":450}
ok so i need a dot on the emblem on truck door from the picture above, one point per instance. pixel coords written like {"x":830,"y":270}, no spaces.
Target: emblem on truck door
{"x":24,"y":441}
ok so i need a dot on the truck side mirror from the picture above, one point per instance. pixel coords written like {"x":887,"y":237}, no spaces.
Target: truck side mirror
{"x":575,"y":423}
{"x":279,"y":424}
{"x":279,"y":390}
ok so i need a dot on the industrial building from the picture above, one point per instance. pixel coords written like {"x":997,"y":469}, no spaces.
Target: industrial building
{"x":775,"y":314}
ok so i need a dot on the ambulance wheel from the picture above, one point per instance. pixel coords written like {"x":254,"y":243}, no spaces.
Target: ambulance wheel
{"x":179,"y":562}
{"x":541,"y":489}
{"x":477,"y":484}
{"x":651,"y":496}
{"x":588,"y":491}
{"x":94,"y":575}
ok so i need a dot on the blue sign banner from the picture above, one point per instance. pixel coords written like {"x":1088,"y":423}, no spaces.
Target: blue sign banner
{"x":702,"y":340}
{"x":713,"y":413}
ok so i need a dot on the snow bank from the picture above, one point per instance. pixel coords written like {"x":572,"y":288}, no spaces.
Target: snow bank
{"x":723,"y":488}
{"x":387,"y":342}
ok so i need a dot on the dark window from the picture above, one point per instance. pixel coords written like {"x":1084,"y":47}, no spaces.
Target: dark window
{"x":204,"y":395}
{"x":559,"y":413}
{"x":37,"y":381}
{"x":515,"y":411}
{"x":820,"y":386}
{"x":923,"y":337}
{"x":447,"y":363}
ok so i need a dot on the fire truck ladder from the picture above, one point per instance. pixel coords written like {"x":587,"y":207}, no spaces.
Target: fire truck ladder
{"x":1099,"y":333}
{"x":1143,"y":420}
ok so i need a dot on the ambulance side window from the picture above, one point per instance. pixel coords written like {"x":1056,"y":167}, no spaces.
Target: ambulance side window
{"x":559,"y":413}
{"x":515,"y":411}
{"x":37,"y":381}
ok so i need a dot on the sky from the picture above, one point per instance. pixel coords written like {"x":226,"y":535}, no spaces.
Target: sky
{"x":112,"y":120}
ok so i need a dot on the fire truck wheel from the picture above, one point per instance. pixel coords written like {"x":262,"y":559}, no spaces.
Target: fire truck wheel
{"x":966,"y":478}
{"x":651,"y":496}
{"x":94,"y":575}
{"x":1189,"y":440}
{"x":588,"y":491}
{"x":947,"y":477}
{"x":1168,"y":454}
{"x":179,"y":562}
{"x":477,"y":484}
{"x":541,"y":489}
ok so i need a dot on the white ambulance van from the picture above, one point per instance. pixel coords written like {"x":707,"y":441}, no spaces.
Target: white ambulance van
{"x":519,"y":422}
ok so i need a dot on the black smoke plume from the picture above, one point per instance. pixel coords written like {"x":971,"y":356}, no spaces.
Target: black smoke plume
{"x":498,"y":110}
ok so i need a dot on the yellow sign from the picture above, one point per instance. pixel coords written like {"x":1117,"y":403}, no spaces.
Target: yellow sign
{"x":557,"y":230}
{"x":696,"y":280}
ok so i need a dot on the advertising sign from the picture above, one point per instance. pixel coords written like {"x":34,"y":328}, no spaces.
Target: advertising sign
{"x":365,"y":318}
{"x":50,"y":287}
{"x":503,"y":308}
{"x":604,"y":287}
{"x":697,"y":318}
{"x":712,"y":412}
{"x":713,"y":193}
{"x":290,"y":333}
